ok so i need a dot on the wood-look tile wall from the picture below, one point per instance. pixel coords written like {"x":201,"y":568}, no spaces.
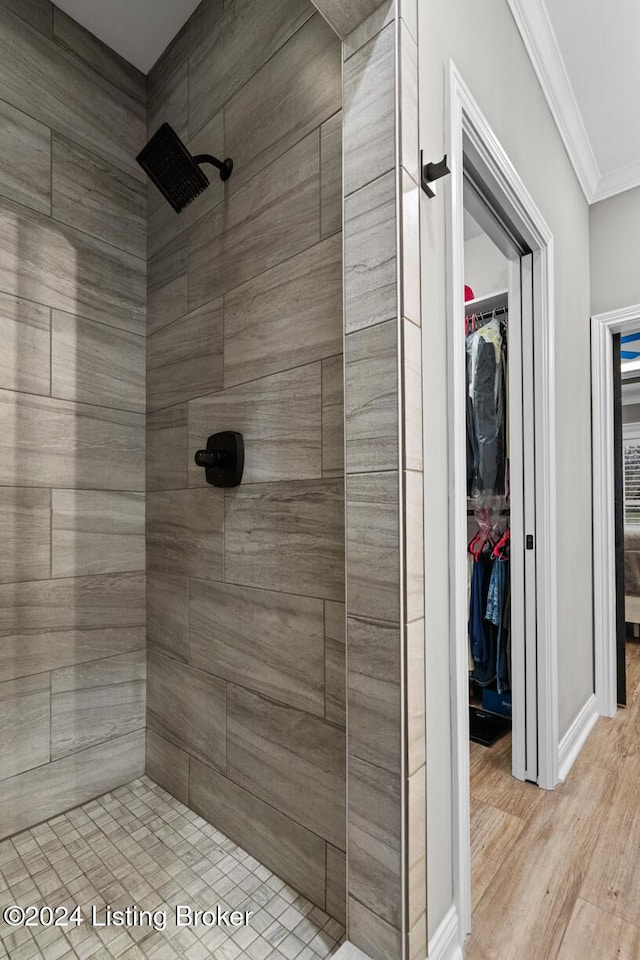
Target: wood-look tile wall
{"x":72,"y":401}
{"x":386,"y":817}
{"x":246,"y":652}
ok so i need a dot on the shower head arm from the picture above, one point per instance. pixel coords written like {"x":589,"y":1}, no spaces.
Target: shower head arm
{"x":224,"y":166}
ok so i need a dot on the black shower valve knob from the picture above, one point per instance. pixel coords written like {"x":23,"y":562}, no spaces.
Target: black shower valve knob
{"x":223,"y":459}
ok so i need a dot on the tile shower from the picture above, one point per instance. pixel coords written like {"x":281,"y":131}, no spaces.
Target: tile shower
{"x":191,"y":741}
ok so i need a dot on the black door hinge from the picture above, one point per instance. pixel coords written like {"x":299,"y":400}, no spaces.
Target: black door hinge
{"x":529,"y":541}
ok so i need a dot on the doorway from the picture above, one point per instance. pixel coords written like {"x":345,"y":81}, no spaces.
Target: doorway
{"x":483,"y":176}
{"x":613,"y":528}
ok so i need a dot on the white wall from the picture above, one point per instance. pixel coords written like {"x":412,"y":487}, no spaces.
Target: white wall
{"x":485,"y":45}
{"x":615,"y":247}
{"x":485,"y":267}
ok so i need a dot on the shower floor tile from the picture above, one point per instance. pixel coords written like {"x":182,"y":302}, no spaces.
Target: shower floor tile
{"x":138,"y":847}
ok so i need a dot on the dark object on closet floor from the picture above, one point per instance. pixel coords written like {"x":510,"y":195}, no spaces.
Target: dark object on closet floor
{"x":485,"y":728}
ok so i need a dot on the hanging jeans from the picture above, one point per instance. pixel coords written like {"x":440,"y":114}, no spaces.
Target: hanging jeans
{"x":497,"y":614}
{"x":482,"y":634}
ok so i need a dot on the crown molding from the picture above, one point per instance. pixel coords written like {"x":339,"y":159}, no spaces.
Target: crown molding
{"x":533,"y":22}
{"x":617,"y":181}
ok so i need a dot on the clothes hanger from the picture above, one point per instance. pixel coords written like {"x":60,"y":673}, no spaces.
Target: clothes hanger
{"x":502,"y":545}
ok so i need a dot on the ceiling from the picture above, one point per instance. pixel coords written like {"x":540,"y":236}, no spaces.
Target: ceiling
{"x":139,"y":30}
{"x":584,"y":53}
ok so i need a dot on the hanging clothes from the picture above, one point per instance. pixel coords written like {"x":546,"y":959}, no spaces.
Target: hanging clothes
{"x":486,"y":408}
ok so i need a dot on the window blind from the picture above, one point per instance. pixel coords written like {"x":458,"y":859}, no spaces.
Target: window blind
{"x":632,"y":482}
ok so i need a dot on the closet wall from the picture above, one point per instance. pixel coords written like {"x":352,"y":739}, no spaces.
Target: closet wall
{"x":72,"y":324}
{"x":246,"y":710}
{"x":490,"y":28}
{"x":614,"y":235}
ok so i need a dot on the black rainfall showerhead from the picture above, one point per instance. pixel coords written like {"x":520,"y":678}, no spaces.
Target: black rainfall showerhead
{"x":174,"y":171}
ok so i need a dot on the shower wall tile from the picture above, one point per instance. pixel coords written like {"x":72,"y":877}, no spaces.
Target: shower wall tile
{"x":369,"y":111}
{"x":164,"y":224}
{"x":269,"y":114}
{"x":370,"y":255}
{"x":336,"y":883}
{"x":372,"y":546}
{"x":72,"y":400}
{"x":26,"y":651}
{"x":25,"y":159}
{"x":97,"y":701}
{"x":280,"y":418}
{"x":241,"y":41}
{"x":94,"y":196}
{"x":96,"y":532}
{"x":166,"y":448}
{"x":70,"y":34}
{"x":410,"y":220}
{"x":288,"y":316}
{"x":197,"y":27}
{"x":184,"y":359}
{"x":333,"y":416}
{"x":37,"y":13}
{"x":415,"y":696}
{"x":53,"y":264}
{"x":271,"y":643}
{"x":170,"y":104}
{"x":289,"y":759}
{"x":188,"y":708}
{"x":168,"y":766}
{"x":412,"y":386}
{"x":24,"y":720}
{"x":25,"y":519}
{"x":372,"y":933}
{"x":374,"y":832}
{"x":416,"y":826}
{"x":67,"y":95}
{"x":373,"y":693}
{"x":334,"y":662}
{"x":167,"y":283}
{"x":369,"y":27}
{"x":95,"y":363}
{"x":269,"y":219}
{"x":107,"y":450}
{"x":371,"y":374}
{"x":345,"y":17}
{"x":296,"y":854}
{"x":414,"y":546}
{"x":25,"y":361}
{"x":331,"y":175}
{"x":44,"y":792}
{"x":287,"y":536}
{"x":252,"y":598}
{"x":70,"y":604}
{"x":185,"y":532}
{"x":167,"y":615}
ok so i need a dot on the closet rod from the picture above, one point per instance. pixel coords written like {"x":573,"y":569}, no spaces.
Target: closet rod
{"x":488,"y":314}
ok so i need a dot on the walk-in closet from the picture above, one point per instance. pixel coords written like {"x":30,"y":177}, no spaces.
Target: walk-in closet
{"x":488,"y":502}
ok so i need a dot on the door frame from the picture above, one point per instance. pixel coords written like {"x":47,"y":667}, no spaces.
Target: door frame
{"x":465,"y":120}
{"x":603,"y":328}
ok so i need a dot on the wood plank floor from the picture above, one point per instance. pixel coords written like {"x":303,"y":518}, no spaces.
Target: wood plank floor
{"x":556,"y":875}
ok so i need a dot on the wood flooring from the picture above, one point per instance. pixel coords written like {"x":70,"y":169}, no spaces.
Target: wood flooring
{"x":556,"y":875}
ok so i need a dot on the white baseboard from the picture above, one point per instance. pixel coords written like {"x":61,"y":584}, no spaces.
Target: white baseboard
{"x":445,"y":943}
{"x":576,"y":736}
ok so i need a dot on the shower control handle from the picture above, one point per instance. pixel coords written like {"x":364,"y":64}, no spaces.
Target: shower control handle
{"x":210,"y":458}
{"x":223,"y":459}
